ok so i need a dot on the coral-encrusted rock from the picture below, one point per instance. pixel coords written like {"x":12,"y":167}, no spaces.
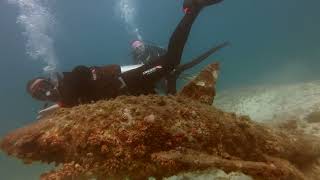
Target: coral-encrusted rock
{"x":158,"y":136}
{"x":202,"y":88}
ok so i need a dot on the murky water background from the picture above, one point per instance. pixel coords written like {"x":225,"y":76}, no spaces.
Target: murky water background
{"x":273,"y":42}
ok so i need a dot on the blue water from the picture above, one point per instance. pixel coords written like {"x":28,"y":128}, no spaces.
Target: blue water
{"x":272,"y":42}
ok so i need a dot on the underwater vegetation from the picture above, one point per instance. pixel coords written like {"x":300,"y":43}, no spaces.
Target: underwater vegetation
{"x":161,"y":136}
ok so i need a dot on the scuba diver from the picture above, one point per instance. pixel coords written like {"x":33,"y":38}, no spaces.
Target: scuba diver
{"x":167,"y":84}
{"x":143,"y":52}
{"x":88,"y":84}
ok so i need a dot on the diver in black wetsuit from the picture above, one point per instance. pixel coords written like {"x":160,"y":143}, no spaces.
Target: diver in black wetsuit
{"x":87,"y":84}
{"x":142,"y":52}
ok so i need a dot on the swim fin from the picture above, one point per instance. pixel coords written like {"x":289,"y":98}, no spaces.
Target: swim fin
{"x":174,"y":75}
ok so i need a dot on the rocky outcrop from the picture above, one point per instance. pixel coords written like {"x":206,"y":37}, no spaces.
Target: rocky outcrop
{"x":202,"y":88}
{"x":160,"y":136}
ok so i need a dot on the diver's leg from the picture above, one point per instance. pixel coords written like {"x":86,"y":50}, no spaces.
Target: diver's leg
{"x":179,"y":37}
{"x":176,"y":45}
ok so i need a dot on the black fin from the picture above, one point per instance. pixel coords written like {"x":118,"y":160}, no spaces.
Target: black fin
{"x":172,"y":78}
{"x":200,"y":58}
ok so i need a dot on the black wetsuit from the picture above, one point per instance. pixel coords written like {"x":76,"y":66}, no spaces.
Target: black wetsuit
{"x":86,"y":84}
{"x":149,"y":53}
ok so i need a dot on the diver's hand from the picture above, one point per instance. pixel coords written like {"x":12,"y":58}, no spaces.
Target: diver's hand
{"x":47,"y":111}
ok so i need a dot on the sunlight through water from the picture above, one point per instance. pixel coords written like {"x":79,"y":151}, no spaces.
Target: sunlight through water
{"x":38,"y":23}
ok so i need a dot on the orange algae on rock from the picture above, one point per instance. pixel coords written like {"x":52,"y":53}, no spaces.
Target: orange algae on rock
{"x":159,"y":136}
{"x":202,"y":88}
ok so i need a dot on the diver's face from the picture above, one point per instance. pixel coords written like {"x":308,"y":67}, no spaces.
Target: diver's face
{"x":44,"y":90}
{"x":140,"y":48}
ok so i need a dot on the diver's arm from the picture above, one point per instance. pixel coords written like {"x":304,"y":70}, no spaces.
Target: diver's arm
{"x":48,"y":110}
